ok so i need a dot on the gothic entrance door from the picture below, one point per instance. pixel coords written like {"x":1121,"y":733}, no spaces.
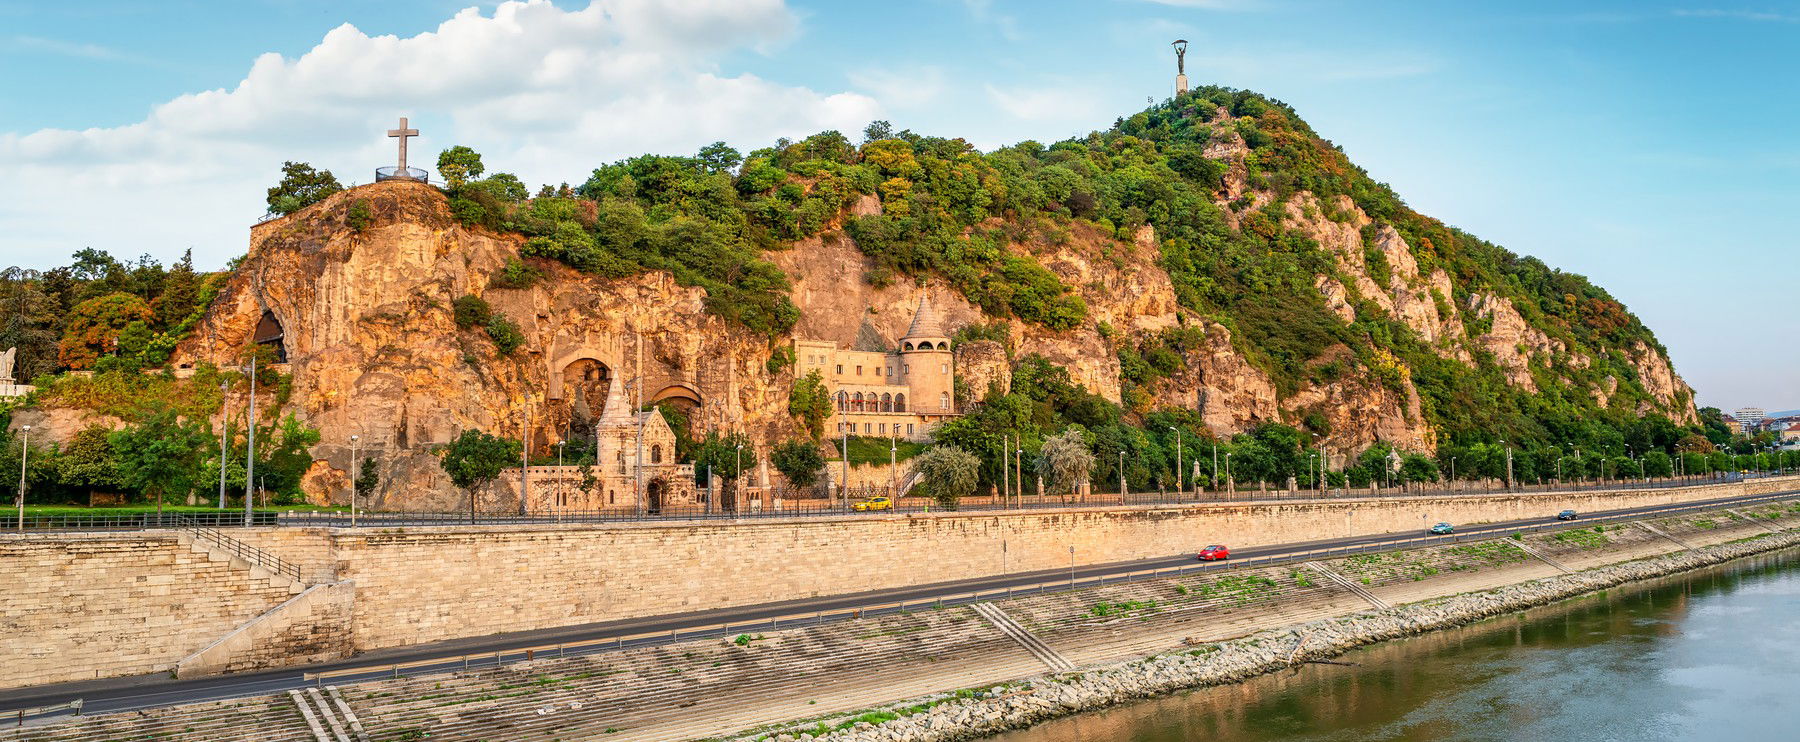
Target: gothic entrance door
{"x":653,"y":495}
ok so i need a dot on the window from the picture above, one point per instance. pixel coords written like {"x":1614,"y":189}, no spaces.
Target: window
{"x":840,"y":368}
{"x":909,"y":428}
{"x":900,"y":403}
{"x":881,"y":428}
{"x":858,"y":370}
{"x":866,"y":427}
{"x":856,"y":402}
{"x":887,"y":403}
{"x":944,"y":401}
{"x":843,"y":400}
{"x":612,"y":497}
{"x":945,"y":368}
{"x":656,"y":454}
{"x":621,"y":462}
{"x":906,"y":368}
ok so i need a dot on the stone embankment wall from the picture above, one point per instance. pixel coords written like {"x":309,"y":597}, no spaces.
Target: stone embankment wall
{"x":429,"y":584}
{"x":97,"y":605}
{"x":84,"y":606}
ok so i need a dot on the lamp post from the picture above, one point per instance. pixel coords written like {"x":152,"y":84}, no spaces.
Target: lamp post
{"x":224,"y":439}
{"x":1121,"y":476}
{"x":1312,"y":462}
{"x":353,"y":458}
{"x":24,"y":453}
{"x":1215,"y":469}
{"x":1452,"y":473}
{"x":893,"y":476}
{"x":250,"y":447}
{"x":1005,"y":471}
{"x":562,"y":482}
{"x":1180,"y":484}
{"x":1019,"y":471}
{"x":1229,"y":482}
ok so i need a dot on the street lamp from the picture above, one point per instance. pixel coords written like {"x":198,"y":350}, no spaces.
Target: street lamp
{"x":354,"y":451}
{"x":24,"y":452}
{"x":224,"y":440}
{"x":1228,"y":480}
{"x":1180,"y":485}
{"x":1121,"y":476}
{"x":250,"y":447}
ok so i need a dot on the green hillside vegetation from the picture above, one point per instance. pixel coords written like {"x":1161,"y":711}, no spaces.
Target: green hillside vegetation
{"x":978,"y":221}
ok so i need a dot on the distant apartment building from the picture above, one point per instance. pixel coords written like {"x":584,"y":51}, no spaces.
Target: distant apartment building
{"x":1791,"y":433}
{"x":1749,"y":417}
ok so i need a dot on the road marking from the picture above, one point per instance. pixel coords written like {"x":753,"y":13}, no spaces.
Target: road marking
{"x":1351,"y":586}
{"x":1658,"y":531}
{"x":1019,"y":634}
{"x":1541,"y":557}
{"x":306,"y":711}
{"x":1757,"y":521}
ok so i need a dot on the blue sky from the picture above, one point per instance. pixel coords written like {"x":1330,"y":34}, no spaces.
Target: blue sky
{"x":1647,"y":145}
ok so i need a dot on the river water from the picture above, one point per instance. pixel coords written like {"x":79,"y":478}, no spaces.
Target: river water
{"x":1708,"y":655}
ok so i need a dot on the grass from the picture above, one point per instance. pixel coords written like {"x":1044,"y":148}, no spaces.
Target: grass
{"x":874,"y":450}
{"x":1586,"y":538}
{"x":1104,"y":609}
{"x":1706,"y":524}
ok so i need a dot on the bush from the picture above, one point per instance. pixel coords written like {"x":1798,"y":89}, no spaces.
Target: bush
{"x":947,"y":474}
{"x":357,"y":218}
{"x":799,"y":461}
{"x":471,"y":311}
{"x":505,"y":334}
{"x":516,"y":275}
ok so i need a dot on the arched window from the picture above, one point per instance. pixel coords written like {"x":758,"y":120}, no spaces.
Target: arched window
{"x":906,"y":346}
{"x":887,"y":403}
{"x":856,"y":402}
{"x":656,"y":454}
{"x":944,"y":401}
{"x":621,"y":462}
{"x":899,"y":403}
{"x":843,"y":401}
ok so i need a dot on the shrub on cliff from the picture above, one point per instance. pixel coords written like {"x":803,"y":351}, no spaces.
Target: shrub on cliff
{"x":505,"y":334}
{"x":471,"y":311}
{"x":301,"y":186}
{"x":810,"y":403}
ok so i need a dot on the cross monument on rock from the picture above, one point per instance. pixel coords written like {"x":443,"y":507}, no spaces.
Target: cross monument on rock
{"x":402,"y":133}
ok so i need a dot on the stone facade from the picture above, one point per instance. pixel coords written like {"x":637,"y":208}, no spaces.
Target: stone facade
{"x":901,"y":392}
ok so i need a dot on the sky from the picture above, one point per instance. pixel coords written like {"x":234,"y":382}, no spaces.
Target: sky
{"x":1647,"y":145}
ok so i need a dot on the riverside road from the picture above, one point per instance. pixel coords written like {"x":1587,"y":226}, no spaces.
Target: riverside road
{"x":149,"y":691}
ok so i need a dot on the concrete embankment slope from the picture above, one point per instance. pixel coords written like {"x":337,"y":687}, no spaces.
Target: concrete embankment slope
{"x":404,"y":586}
{"x":861,"y":669}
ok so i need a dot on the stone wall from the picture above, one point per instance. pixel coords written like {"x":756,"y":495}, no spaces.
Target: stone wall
{"x":83,"y":606}
{"x":422,"y":585}
{"x":313,"y":626}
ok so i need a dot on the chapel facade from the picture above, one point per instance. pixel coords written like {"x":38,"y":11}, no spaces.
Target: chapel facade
{"x":900,"y":392}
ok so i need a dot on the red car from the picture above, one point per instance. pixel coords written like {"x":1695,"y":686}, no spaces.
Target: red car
{"x":1214,"y":553}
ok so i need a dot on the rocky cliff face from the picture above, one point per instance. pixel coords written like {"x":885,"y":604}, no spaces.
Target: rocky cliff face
{"x":365,"y":318}
{"x":367,"y":325}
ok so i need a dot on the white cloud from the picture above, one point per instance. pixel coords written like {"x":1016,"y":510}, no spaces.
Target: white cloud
{"x":1046,"y":103}
{"x":905,"y":87}
{"x":540,"y":91}
{"x":1209,"y":4}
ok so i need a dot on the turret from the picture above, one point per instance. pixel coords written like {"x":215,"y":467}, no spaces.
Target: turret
{"x":928,"y":370}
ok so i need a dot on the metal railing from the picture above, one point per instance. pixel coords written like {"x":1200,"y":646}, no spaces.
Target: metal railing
{"x":1073,"y":582}
{"x":20,"y":714}
{"x":242,"y":550}
{"x":140,"y":521}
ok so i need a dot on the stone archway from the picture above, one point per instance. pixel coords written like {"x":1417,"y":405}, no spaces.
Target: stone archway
{"x":684,"y":396}
{"x":655,"y":492}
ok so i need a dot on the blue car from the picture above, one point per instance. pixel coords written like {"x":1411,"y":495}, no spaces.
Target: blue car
{"x":1442,"y":528}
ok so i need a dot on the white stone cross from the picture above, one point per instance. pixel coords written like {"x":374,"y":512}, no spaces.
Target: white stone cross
{"x":402,"y":133}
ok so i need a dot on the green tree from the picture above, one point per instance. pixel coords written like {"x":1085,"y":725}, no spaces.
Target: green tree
{"x":87,"y":462}
{"x":728,"y":456}
{"x":799,"y":461}
{"x":301,"y":186}
{"x":506,"y":335}
{"x":159,"y":455}
{"x":1065,"y":461}
{"x":458,"y":165}
{"x":367,"y":478}
{"x":810,"y":403}
{"x":474,"y":459}
{"x":947,"y":474}
{"x":719,"y":157}
{"x":470,"y":310}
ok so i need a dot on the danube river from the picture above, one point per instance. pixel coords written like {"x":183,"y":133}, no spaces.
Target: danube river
{"x":1712,"y":654}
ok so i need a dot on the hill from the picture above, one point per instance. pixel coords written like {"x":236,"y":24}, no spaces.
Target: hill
{"x":1209,"y":263}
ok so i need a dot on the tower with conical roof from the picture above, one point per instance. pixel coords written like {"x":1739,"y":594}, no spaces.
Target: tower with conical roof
{"x":927,"y":365}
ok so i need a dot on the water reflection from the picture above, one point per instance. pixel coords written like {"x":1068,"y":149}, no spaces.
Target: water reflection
{"x":1707,"y":655}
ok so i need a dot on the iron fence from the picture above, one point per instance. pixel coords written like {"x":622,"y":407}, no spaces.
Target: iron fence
{"x":142,"y":521}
